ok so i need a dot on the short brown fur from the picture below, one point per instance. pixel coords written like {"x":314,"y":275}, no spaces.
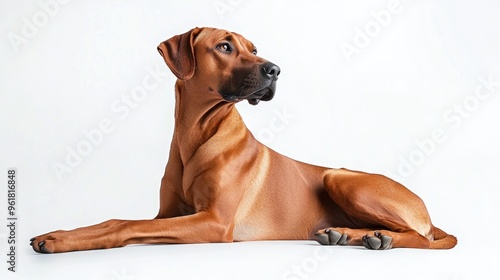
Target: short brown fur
{"x":222,"y":185}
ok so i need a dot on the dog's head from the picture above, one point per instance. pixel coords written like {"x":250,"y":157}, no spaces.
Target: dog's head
{"x":223,"y":62}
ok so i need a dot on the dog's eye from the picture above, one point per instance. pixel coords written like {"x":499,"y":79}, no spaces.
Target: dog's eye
{"x":254,"y":52}
{"x":224,"y":47}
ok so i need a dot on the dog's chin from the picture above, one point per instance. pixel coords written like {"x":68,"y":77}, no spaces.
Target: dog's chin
{"x":254,"y":98}
{"x":265,"y":94}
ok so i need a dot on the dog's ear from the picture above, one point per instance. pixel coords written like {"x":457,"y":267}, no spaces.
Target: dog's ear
{"x":178,"y":53}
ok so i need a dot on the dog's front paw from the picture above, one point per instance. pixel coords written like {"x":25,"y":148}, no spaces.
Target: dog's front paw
{"x":48,"y":243}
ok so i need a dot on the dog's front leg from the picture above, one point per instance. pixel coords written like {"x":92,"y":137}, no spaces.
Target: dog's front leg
{"x":197,"y":228}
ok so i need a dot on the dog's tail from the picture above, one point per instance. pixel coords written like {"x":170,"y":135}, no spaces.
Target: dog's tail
{"x":442,"y":240}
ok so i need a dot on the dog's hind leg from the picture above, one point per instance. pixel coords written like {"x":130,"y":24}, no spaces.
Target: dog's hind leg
{"x":386,"y":214}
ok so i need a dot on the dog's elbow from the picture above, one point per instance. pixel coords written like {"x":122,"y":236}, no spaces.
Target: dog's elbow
{"x":222,"y":233}
{"x":216,"y":230}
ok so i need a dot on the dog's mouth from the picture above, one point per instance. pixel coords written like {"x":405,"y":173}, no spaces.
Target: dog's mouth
{"x":265,"y":94}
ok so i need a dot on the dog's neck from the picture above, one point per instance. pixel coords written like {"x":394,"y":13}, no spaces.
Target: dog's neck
{"x":199,"y":114}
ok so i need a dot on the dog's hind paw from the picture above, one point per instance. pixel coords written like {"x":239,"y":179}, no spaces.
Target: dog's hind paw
{"x":377,"y":242}
{"x":330,"y":236}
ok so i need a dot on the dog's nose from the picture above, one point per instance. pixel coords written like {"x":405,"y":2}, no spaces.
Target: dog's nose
{"x":271,"y":70}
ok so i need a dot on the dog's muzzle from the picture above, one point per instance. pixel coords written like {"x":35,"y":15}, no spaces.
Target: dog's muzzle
{"x":259,"y":84}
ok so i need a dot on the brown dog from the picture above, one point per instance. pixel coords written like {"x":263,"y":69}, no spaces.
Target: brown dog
{"x":222,"y":185}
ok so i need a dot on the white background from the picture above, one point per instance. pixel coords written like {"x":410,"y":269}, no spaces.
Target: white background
{"x":65,"y":68}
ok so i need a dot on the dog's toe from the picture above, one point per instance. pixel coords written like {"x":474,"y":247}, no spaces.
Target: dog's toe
{"x":323,"y":238}
{"x":41,"y":245}
{"x":35,"y":244}
{"x":45,"y":247}
{"x":371,"y":242}
{"x":386,"y":241}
